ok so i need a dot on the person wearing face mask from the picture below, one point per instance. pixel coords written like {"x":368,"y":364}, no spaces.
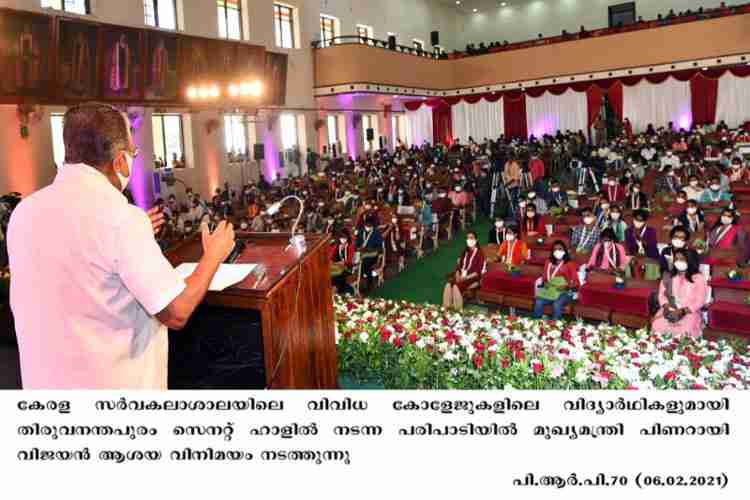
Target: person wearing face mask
{"x":682,"y":295}
{"x":679,"y":238}
{"x":370,"y":246}
{"x":496,"y":235}
{"x":601,"y":212}
{"x":537,"y":202}
{"x":678,"y":206}
{"x":608,"y":255}
{"x":693,"y":190}
{"x":558,"y":292}
{"x":513,"y":251}
{"x":100,"y":321}
{"x":533,"y":224}
{"x":556,"y":198}
{"x":637,"y":199}
{"x":692,"y":218}
{"x":725,"y":234}
{"x":459,"y":197}
{"x":395,"y":244}
{"x":615,"y":193}
{"x":468,"y":274}
{"x":668,"y":183}
{"x":586,"y":235}
{"x":641,"y":240}
{"x":738,"y":173}
{"x":715,"y":195}
{"x":342,"y":258}
{"x":616,"y":224}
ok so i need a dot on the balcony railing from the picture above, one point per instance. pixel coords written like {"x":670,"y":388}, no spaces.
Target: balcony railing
{"x":381,"y":44}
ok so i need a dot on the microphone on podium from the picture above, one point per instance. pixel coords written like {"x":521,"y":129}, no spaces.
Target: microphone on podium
{"x":297,"y":241}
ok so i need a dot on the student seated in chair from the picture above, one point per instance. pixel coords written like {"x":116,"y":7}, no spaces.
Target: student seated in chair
{"x":586,"y":235}
{"x":682,"y":295}
{"x":725,"y":234}
{"x":692,"y":218}
{"x":496,"y":235}
{"x":715,"y":194}
{"x":559,"y":280}
{"x":608,"y":256}
{"x":513,"y":251}
{"x":533,"y":225}
{"x":679,"y":238}
{"x":342,"y":257}
{"x":370,"y":246}
{"x":616,"y":224}
{"x":640,"y":240}
{"x":467,"y":275}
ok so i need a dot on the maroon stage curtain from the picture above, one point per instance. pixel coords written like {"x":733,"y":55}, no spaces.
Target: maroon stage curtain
{"x":514,"y":112}
{"x":595,"y":97}
{"x":704,"y":93}
{"x":442,"y":125}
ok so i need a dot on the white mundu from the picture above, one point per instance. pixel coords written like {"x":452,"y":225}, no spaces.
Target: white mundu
{"x":87,"y":279}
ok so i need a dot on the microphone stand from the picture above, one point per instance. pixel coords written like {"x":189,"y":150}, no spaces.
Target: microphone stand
{"x":295,"y":240}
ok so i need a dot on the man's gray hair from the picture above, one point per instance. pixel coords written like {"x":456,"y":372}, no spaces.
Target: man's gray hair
{"x":94,"y":134}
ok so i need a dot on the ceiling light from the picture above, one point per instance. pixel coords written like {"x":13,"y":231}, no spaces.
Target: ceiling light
{"x":192,"y":93}
{"x":503,"y":4}
{"x":458,"y":2}
{"x":234,"y":91}
{"x":476,"y":10}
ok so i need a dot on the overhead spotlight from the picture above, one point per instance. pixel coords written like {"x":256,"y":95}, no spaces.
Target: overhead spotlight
{"x":234,"y":90}
{"x":256,"y":89}
{"x":476,"y":10}
{"x":192,"y":93}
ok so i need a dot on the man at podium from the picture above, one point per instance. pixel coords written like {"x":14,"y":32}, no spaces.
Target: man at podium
{"x":91,"y":293}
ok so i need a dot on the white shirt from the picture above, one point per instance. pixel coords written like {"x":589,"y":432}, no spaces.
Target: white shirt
{"x":87,"y":279}
{"x":673,"y":161}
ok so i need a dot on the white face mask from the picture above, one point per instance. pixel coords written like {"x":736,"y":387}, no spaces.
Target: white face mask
{"x":395,"y":221}
{"x":694,"y":183}
{"x":510,"y":237}
{"x":678,"y":243}
{"x":532,"y":196}
{"x":555,"y":190}
{"x":471,"y":243}
{"x":681,"y":266}
{"x":588,"y":220}
{"x":243,"y":225}
{"x":638,"y":224}
{"x":124,"y":180}
{"x":559,"y":254}
{"x":612,"y":183}
{"x":726,"y":220}
{"x":615,"y":216}
{"x":343,"y":241}
{"x":692,"y":210}
{"x":499,"y":225}
{"x":636,"y":190}
{"x":605,"y":206}
{"x":715,"y":187}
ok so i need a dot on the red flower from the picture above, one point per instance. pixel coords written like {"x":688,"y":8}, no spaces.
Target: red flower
{"x":697,"y":387}
{"x":537,"y":367}
{"x":631,"y":388}
{"x":670,"y":376}
{"x":519,"y":356}
{"x":478,"y":346}
{"x":397,"y":341}
{"x":564,"y":352}
{"x":504,"y":363}
{"x":385,"y":335}
{"x":478,"y":360}
{"x":398,"y":328}
{"x":451,"y":337}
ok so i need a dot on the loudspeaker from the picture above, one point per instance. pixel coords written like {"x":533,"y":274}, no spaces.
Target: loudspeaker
{"x":435,"y":38}
{"x":370,"y":135}
{"x":281,"y":159}
{"x":381,"y":141}
{"x":260,"y":152}
{"x":392,"y":42}
{"x":333,"y":150}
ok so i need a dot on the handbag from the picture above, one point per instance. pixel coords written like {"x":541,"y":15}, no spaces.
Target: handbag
{"x":674,"y":315}
{"x":552,"y":290}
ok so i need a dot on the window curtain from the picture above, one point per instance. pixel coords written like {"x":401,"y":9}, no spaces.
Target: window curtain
{"x":442,"y":124}
{"x":704,"y":92}
{"x":514,"y":115}
{"x":549,"y":113}
{"x":658,"y":104}
{"x":733,"y":102}
{"x":483,"y":120}
{"x":420,"y":126}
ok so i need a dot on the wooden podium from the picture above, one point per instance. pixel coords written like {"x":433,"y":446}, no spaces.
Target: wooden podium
{"x":284,"y":320}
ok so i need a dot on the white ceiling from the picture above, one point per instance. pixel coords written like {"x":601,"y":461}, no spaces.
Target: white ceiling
{"x":467,"y":6}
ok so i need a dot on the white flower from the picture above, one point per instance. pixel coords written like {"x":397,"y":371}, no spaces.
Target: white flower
{"x":556,"y":371}
{"x":364,"y":337}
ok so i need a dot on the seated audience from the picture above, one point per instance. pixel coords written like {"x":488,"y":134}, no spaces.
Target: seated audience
{"x":342,"y":257}
{"x":467,"y":275}
{"x":608,"y":255}
{"x":513,"y":251}
{"x":496,"y":234}
{"x":725,"y":234}
{"x":679,"y":238}
{"x":370,"y":247}
{"x":715,"y":194}
{"x":586,"y":235}
{"x":640,"y":240}
{"x":533,"y":225}
{"x":559,"y":293}
{"x":682,"y":295}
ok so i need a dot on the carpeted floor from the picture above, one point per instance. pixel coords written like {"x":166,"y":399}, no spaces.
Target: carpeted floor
{"x":423,"y":280}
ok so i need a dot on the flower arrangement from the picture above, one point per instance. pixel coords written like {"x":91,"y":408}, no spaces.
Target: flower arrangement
{"x":700,"y":246}
{"x":406,"y":346}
